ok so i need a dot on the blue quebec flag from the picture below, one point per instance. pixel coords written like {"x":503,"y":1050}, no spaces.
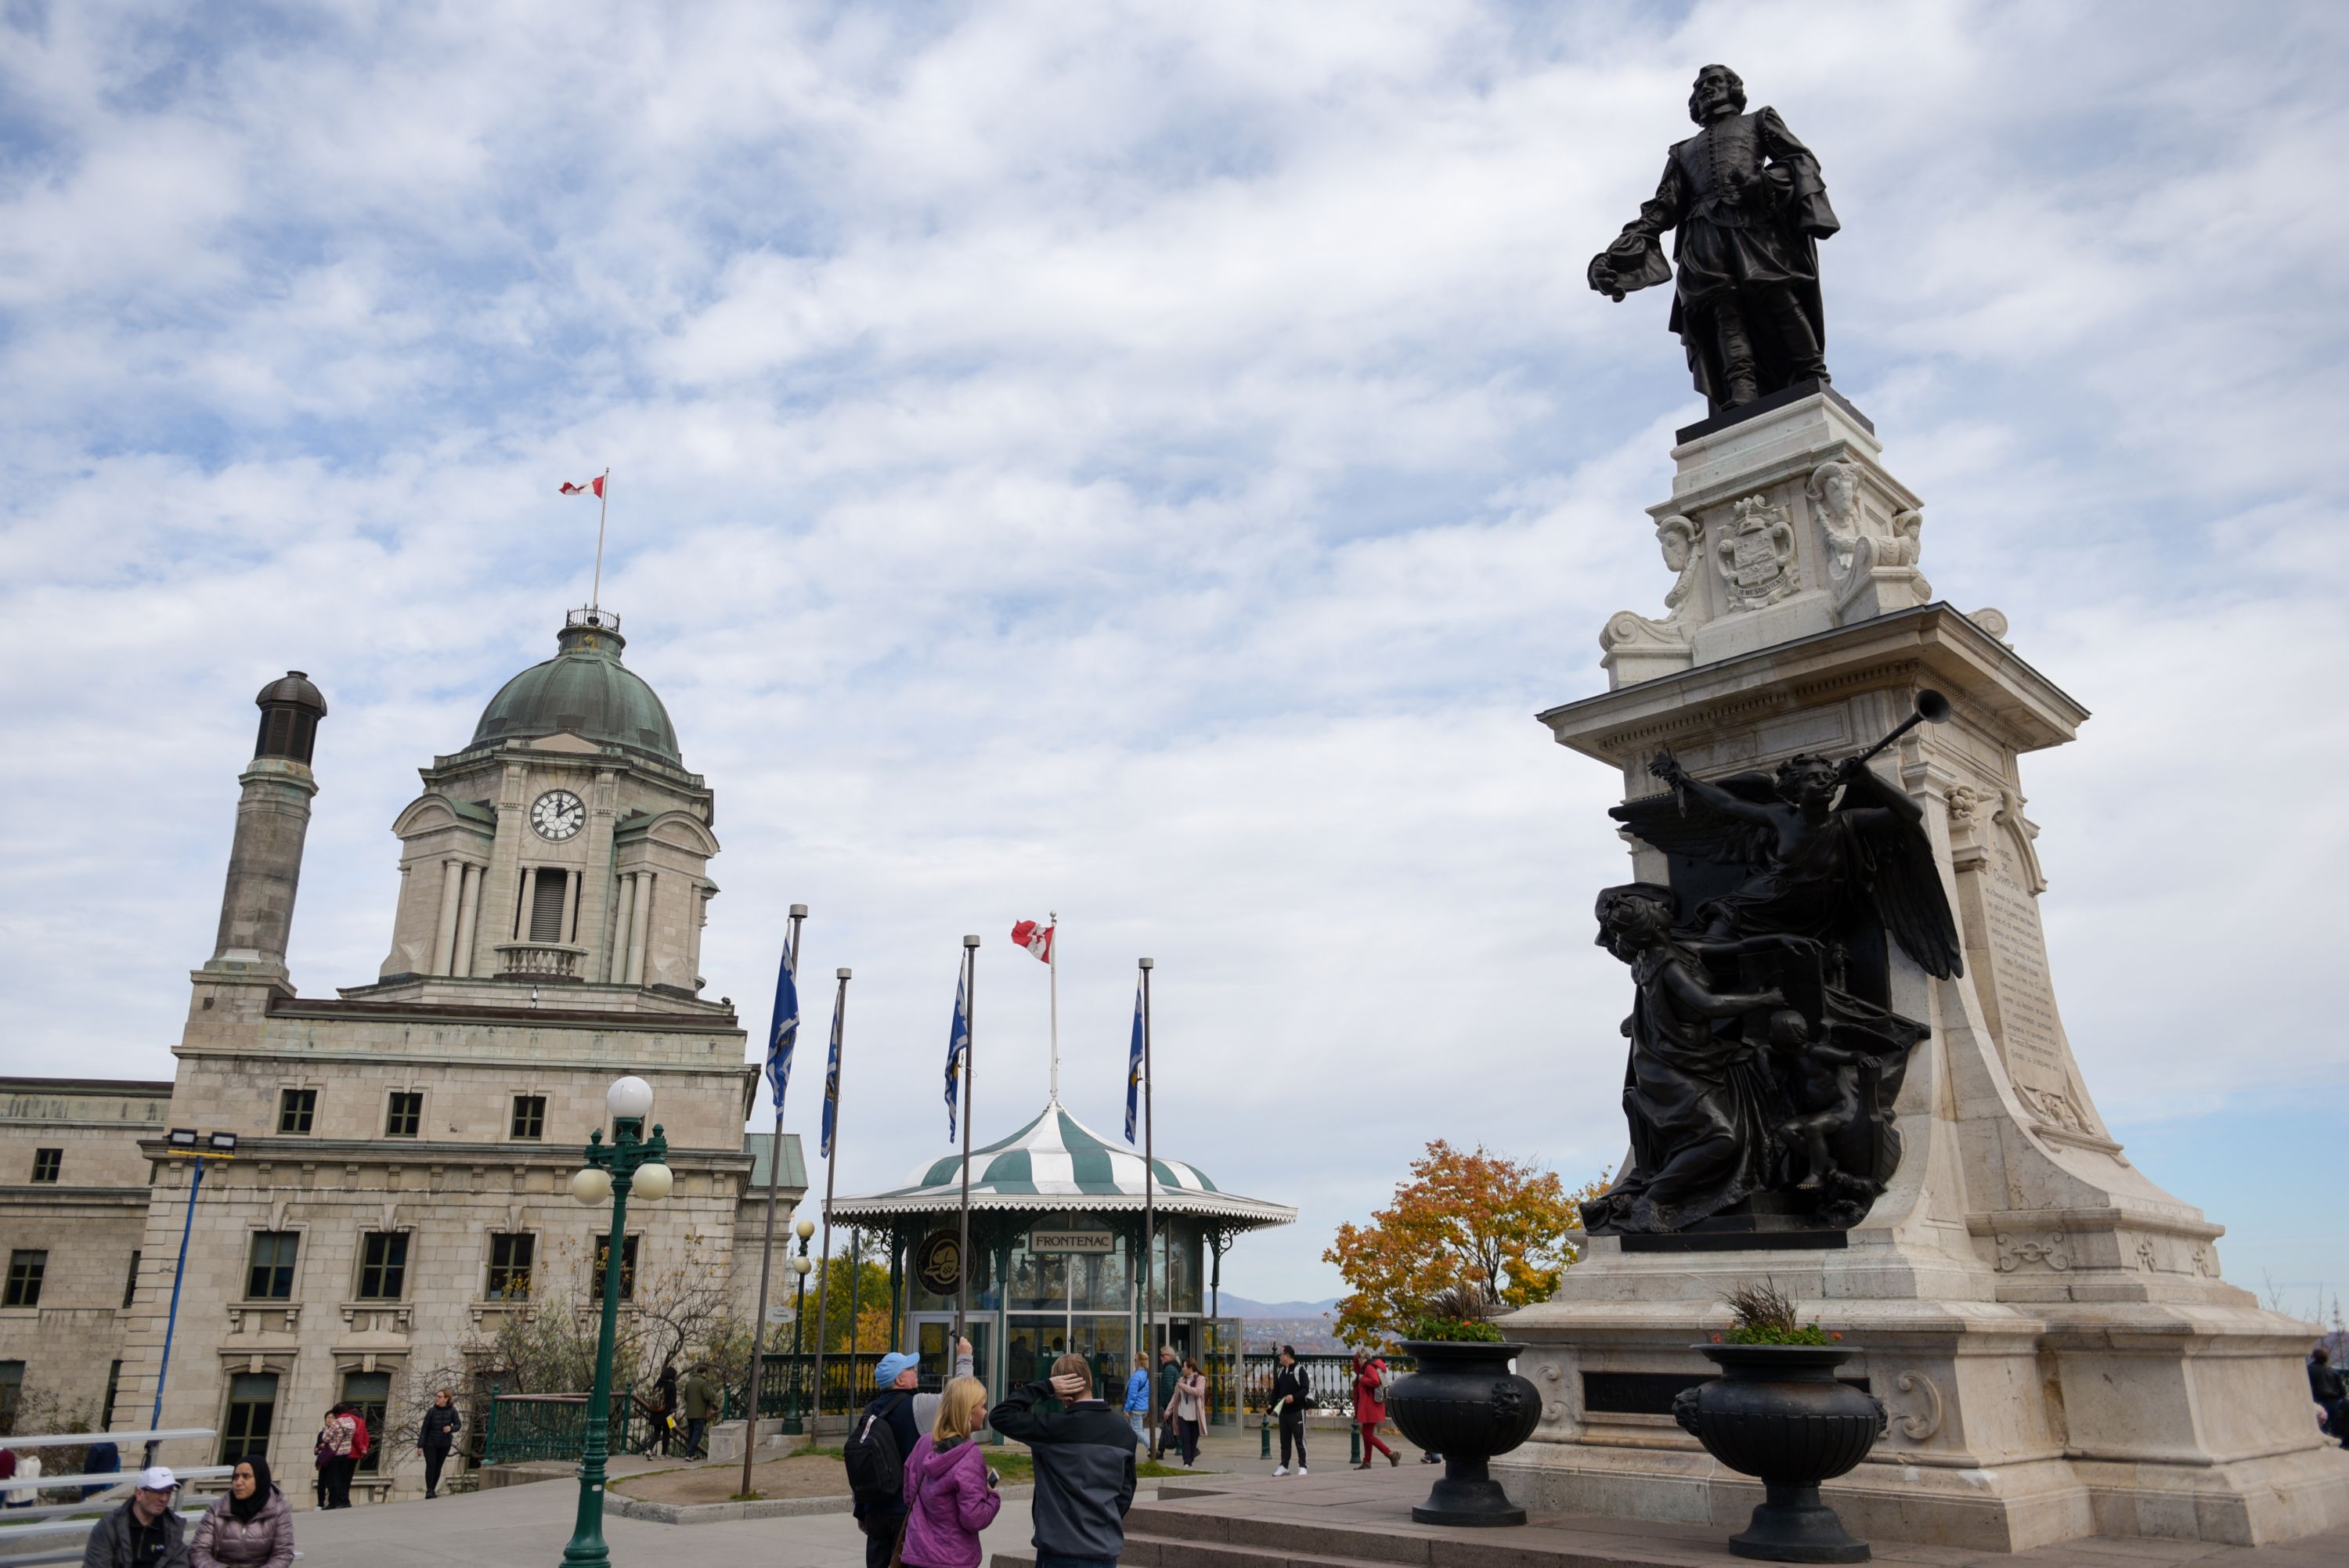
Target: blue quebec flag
{"x":784,"y":1032}
{"x":831,"y":1087}
{"x":1134,"y":1070}
{"x":957,"y":1056}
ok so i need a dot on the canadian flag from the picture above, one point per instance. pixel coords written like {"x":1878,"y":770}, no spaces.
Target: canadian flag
{"x":594,"y":487}
{"x":1036,"y":939}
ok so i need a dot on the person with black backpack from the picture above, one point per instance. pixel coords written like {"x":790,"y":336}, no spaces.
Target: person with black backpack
{"x":876,"y":1451}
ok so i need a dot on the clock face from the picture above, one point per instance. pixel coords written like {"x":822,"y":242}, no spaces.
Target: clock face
{"x":557,"y":814}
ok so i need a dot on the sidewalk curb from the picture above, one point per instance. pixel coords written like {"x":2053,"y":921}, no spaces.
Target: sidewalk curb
{"x":768,"y":1508}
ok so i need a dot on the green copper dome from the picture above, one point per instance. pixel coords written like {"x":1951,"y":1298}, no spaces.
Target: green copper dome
{"x":585,"y":691}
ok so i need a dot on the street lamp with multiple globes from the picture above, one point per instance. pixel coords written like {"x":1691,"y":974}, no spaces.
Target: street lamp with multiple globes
{"x":630,"y":1160}
{"x":803,"y":1267}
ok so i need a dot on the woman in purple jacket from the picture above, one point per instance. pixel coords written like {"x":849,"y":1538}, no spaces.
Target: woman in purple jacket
{"x":949,"y":1489}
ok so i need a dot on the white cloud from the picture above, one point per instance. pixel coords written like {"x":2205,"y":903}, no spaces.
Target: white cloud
{"x":1151,"y":464}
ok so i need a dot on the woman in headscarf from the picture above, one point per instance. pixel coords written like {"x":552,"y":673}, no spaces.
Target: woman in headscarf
{"x":249,"y":1526}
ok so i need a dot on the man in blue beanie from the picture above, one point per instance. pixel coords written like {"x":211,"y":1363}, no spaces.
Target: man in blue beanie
{"x":876,"y":1451}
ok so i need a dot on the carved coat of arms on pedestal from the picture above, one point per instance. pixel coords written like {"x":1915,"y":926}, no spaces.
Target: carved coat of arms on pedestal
{"x":1756,"y":553}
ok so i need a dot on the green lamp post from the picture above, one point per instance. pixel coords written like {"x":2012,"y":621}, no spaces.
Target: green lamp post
{"x":803,"y":1267}
{"x":629,"y":1161}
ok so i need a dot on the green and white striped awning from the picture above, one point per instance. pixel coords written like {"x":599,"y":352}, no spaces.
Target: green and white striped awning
{"x":1057,"y":1162}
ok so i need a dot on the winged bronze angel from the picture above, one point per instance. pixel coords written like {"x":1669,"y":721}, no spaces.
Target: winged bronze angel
{"x":1764,"y":1055}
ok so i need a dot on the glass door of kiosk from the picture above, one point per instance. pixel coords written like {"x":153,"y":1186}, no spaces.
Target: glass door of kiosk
{"x":932,"y":1336}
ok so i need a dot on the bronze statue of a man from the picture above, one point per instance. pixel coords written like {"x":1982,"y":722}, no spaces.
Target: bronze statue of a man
{"x":1749,"y":209}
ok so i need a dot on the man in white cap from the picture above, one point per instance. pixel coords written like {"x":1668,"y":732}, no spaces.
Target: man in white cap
{"x":144,"y":1532}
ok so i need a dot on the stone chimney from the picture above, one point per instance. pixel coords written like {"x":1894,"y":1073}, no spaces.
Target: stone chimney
{"x":264,"y":865}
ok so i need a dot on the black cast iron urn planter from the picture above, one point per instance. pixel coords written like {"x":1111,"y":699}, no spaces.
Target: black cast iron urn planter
{"x":1462,"y":1401}
{"x":1777,"y":1412}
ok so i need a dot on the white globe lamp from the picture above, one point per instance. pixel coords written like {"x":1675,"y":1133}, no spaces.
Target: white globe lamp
{"x":630,"y":1099}
{"x":591,"y":1186}
{"x":653,"y":1182}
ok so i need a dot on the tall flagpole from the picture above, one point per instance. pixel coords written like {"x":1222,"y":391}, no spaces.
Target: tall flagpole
{"x":1052,"y":955}
{"x":596,"y":596}
{"x":767,"y":1242}
{"x":1149,"y":1190}
{"x":970,"y":1035}
{"x":830,"y":1168}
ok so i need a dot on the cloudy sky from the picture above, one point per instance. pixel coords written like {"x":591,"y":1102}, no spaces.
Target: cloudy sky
{"x":1152,"y":462}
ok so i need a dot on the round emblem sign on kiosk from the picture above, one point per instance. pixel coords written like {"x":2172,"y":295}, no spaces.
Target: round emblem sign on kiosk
{"x":937,"y":1263}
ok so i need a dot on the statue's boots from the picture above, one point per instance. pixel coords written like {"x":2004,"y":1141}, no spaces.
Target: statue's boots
{"x":1738,"y":386}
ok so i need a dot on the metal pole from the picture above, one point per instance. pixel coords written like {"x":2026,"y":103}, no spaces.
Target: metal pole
{"x":1149,"y":1190}
{"x":603,"y":511}
{"x":855,"y":1292}
{"x":173,"y":1321}
{"x":970,"y":1076}
{"x":627,"y":1153}
{"x":799,"y":1316}
{"x":831,"y":1169}
{"x":1052,"y":952}
{"x":767,"y":1241}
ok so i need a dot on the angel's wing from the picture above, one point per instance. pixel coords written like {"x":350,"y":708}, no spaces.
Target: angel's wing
{"x":1904,"y":882}
{"x":1698,"y":831}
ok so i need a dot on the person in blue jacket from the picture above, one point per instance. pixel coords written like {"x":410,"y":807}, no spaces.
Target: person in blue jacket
{"x":1137,"y":1397}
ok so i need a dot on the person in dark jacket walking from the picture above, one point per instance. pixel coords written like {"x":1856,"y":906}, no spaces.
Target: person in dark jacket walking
{"x":665,"y":1397}
{"x":1083,"y":1454}
{"x":1292,"y":1393}
{"x":436,"y":1437}
{"x":1170,"y":1372}
{"x":144,"y":1532}
{"x":2324,"y":1386}
{"x":883,"y":1521}
{"x":700,"y":1398}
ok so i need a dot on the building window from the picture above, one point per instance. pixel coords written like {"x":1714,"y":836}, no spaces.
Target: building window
{"x":371,"y":1393}
{"x":383,"y":1266}
{"x":24,"y":1272}
{"x":547,"y":898}
{"x":12,"y":1393}
{"x":405,"y":1113}
{"x":130,"y":1281}
{"x":296,"y":1107}
{"x":251,"y":1411}
{"x":510,"y":1261}
{"x":113,"y":1386}
{"x":271,"y":1278}
{"x":47,"y":1163}
{"x":530,"y":1116}
{"x":627,"y":1268}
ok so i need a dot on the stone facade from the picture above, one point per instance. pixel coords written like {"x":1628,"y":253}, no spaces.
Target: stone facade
{"x":73,"y":1198}
{"x":403,"y":1144}
{"x":2049,"y":1328}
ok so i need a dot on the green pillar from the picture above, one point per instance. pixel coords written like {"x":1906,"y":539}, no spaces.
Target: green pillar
{"x":897,"y":1287}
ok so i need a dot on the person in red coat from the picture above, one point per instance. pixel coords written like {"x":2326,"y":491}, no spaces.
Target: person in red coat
{"x":1370,"y":1404}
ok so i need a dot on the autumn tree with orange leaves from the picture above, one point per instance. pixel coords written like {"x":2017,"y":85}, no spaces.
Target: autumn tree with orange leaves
{"x":1506,"y":1227}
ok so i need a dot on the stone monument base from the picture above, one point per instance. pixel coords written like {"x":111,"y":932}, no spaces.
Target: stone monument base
{"x":2048,"y":1329}
{"x":2194,"y":1416}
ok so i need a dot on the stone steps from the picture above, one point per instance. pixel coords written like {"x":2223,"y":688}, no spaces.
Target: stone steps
{"x":1191,"y":1532}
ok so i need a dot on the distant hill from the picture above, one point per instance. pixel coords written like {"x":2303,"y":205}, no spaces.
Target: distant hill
{"x":1243,"y":1307}
{"x":1308,"y":1325}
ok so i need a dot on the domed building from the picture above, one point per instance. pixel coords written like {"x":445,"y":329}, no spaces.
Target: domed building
{"x":403,"y":1149}
{"x":566,"y":845}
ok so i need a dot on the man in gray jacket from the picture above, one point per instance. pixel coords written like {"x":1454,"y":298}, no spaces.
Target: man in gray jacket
{"x":144,"y":1532}
{"x":1084,"y":1452}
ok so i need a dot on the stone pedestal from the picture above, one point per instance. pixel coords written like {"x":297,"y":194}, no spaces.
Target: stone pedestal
{"x":2049,"y":1329}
